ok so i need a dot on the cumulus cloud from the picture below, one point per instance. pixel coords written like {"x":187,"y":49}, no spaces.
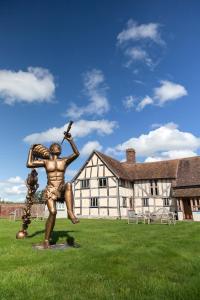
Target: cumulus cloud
{"x":144,"y":102}
{"x":13,"y":188}
{"x":169,"y":91}
{"x":79,"y":129}
{"x":135,"y":32}
{"x":165,"y":142}
{"x":33,"y":85}
{"x":171,"y":155}
{"x":129,"y":101}
{"x":89,"y":147}
{"x":95,"y":90}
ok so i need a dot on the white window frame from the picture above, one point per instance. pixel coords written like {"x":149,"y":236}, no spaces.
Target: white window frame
{"x":166,"y":201}
{"x":94,"y":202}
{"x":101,"y":179}
{"x":124,"y":202}
{"x":85,"y":183}
{"x":145,"y":202}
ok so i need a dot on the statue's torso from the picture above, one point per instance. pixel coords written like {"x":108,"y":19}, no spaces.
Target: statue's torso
{"x":55,"y":170}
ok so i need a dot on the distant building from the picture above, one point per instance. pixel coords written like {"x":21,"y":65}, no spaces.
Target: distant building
{"x":106,"y":188}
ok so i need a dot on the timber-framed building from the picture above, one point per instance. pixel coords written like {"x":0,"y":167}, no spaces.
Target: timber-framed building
{"x":107,"y":188}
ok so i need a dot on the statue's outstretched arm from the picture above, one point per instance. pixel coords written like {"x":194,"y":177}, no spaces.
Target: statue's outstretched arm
{"x":31,"y":162}
{"x":74,"y":148}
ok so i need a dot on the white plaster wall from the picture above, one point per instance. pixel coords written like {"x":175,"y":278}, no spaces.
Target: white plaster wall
{"x":103,"y":192}
{"x":113,"y":212}
{"x":94,"y":193}
{"x":196,"y":215}
{"x":94,"y":211}
{"x":180,"y":216}
{"x":102,"y":202}
{"x":113,"y":192}
{"x":113,"y":202}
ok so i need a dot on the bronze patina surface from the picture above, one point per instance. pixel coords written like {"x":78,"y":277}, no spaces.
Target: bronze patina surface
{"x":56,"y":189}
{"x":32,"y":186}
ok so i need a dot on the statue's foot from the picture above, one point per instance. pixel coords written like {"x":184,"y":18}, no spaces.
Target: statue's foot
{"x":46,"y":244}
{"x":72,"y":217}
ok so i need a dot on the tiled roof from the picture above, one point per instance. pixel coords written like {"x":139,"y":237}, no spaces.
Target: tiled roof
{"x":115,"y":166}
{"x":186,"y":192}
{"x":188,"y":172}
{"x":137,"y":171}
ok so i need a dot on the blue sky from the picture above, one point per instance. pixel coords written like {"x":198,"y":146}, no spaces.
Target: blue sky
{"x":126,"y":72}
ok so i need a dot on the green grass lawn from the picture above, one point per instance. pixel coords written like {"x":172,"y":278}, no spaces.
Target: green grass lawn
{"x":115,"y":261}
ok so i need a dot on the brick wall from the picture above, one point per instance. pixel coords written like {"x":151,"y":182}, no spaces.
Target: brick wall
{"x":6,"y":208}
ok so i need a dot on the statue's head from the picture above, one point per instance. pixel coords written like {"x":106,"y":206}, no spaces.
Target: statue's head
{"x":55,"y":149}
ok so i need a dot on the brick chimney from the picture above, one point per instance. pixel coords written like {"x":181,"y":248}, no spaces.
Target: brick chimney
{"x":130,"y":156}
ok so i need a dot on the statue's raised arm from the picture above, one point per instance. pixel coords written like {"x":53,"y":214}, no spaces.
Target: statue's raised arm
{"x":76,"y":153}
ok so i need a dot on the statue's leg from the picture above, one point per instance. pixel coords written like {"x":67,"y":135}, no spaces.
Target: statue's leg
{"x":51,"y":204}
{"x":69,"y":200}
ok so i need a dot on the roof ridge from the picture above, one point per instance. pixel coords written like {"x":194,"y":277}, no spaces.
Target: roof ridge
{"x":110,"y":157}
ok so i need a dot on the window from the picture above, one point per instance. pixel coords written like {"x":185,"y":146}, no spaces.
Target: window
{"x":124,"y":202}
{"x":122,"y":183}
{"x":145,"y":201}
{"x":131,"y":203}
{"x":165,"y":201}
{"x":85,"y":183}
{"x":94,"y":202}
{"x":102,"y":182}
{"x":60,"y":206}
{"x":151,"y":187}
{"x":154,"y":187}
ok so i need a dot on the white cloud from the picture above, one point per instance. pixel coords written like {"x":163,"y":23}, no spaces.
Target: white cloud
{"x":79,"y":129}
{"x":33,"y":85}
{"x":173,"y":154}
{"x":135,"y":32}
{"x":13,"y":188}
{"x":95,"y":90}
{"x":137,"y":41}
{"x":138,"y":54}
{"x":128,"y":102}
{"x":15,"y":180}
{"x":167,"y":141}
{"x":89,"y":147}
{"x":144,"y":102}
{"x":169,"y":91}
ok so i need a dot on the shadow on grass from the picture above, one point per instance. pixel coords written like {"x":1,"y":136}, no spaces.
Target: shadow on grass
{"x":56,"y":235}
{"x":70,"y":240}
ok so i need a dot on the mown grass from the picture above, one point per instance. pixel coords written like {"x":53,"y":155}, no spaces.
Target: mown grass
{"x":115,"y":261}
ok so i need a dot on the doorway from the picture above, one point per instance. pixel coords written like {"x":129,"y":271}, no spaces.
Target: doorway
{"x":187,"y":209}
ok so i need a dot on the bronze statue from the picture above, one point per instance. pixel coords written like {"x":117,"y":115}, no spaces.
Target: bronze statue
{"x":32,"y":186}
{"x":56,"y":189}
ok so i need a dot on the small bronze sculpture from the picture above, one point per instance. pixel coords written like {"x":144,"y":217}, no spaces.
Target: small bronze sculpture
{"x":32,"y":186}
{"x":56,"y":189}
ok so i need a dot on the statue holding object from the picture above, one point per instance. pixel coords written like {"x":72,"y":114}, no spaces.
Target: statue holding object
{"x":56,"y":189}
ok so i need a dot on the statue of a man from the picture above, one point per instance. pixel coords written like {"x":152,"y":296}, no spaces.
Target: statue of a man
{"x":56,"y":189}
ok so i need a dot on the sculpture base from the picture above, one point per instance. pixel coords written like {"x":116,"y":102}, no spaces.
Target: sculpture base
{"x":55,"y":246}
